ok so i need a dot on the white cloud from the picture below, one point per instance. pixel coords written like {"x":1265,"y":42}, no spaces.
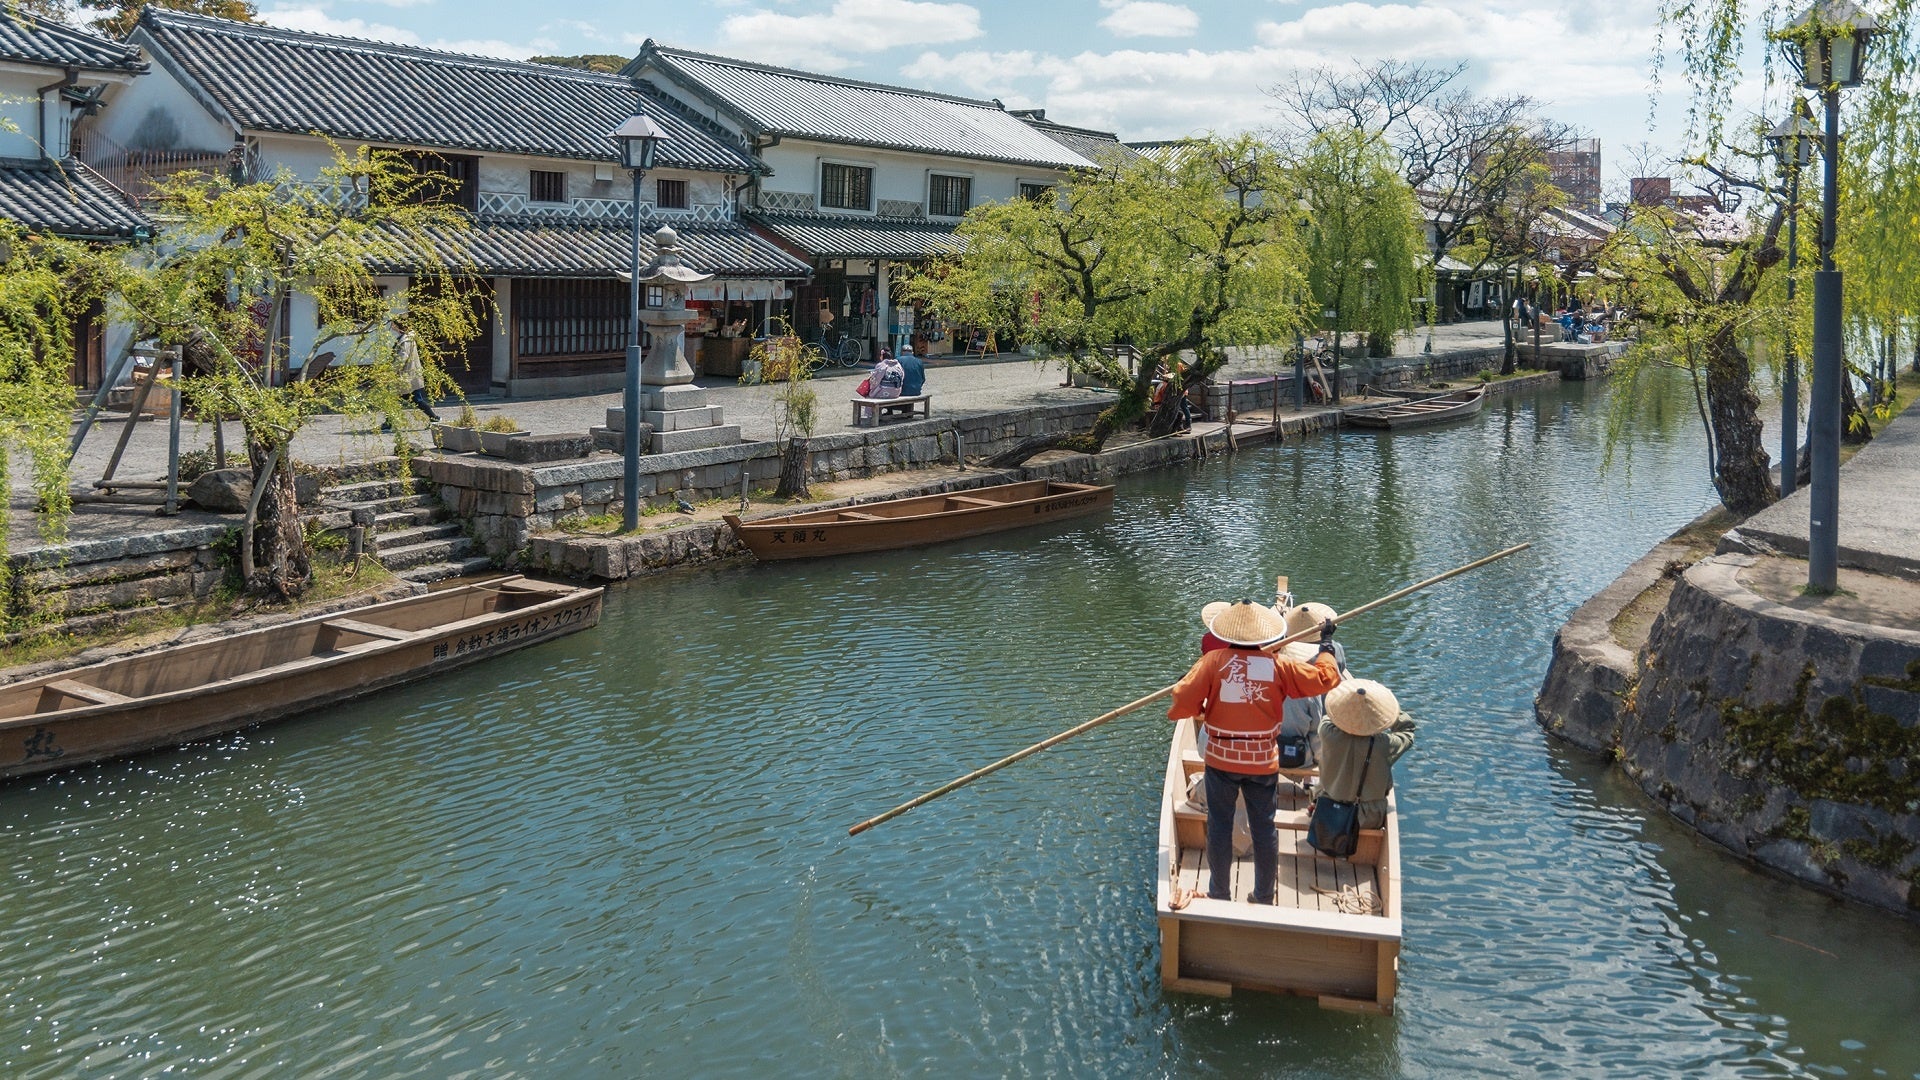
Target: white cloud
{"x":1145,"y":18}
{"x":822,"y":40}
{"x":318,"y":21}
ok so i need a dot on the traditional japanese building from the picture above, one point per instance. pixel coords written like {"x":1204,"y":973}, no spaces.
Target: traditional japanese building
{"x":526,"y":148}
{"x":50,"y":77}
{"x":859,"y":178}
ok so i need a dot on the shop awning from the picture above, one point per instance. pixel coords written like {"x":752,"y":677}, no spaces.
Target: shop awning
{"x":600,"y":250}
{"x":821,"y":236}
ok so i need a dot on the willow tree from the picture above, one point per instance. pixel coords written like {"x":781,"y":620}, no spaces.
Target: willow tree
{"x":1512,"y":238}
{"x":1365,"y":242}
{"x":1878,"y":230}
{"x":219,"y":285}
{"x":46,"y":285}
{"x":1180,"y":255}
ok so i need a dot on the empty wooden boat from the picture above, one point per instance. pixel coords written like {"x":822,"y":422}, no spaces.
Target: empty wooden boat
{"x":921,"y":519}
{"x":1333,"y":933}
{"x":1420,"y":413}
{"x":180,"y":693}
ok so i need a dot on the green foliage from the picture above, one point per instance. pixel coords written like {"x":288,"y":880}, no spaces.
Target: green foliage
{"x":1190,"y":252}
{"x":45,"y":284}
{"x":784,"y":360}
{"x":1366,"y":243}
{"x":500,"y":422}
{"x":465,"y":418}
{"x":116,"y":17}
{"x":220,"y":282}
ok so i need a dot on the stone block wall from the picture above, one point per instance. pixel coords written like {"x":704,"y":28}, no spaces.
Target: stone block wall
{"x":89,"y":583}
{"x":1791,"y":738}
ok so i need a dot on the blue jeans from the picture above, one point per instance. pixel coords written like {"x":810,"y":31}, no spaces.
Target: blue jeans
{"x":1223,"y":790}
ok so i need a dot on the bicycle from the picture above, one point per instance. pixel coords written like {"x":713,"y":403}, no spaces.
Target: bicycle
{"x":848,"y":351}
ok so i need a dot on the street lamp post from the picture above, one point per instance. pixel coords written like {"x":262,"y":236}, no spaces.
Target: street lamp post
{"x":639,"y":140}
{"x":1827,"y":44}
{"x":1792,"y":142}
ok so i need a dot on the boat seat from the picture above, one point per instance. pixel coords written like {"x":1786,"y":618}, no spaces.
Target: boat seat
{"x":366,"y":629}
{"x":970,"y":501}
{"x":92,"y":695}
{"x":855,"y":515}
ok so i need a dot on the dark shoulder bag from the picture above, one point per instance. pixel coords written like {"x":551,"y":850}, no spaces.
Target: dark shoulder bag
{"x":1335,"y":826}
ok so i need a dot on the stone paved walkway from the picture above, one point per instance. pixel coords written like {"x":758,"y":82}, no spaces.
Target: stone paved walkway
{"x":1879,"y":505}
{"x":960,"y":387}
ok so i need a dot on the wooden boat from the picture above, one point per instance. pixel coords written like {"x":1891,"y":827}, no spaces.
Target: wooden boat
{"x":1333,"y":934}
{"x":922,"y":519}
{"x":1433,"y":410}
{"x":178,"y":694}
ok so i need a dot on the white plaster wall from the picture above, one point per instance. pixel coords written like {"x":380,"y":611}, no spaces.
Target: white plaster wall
{"x":896,"y":176}
{"x":21,"y":116}
{"x":155,"y":112}
{"x":497,"y":326}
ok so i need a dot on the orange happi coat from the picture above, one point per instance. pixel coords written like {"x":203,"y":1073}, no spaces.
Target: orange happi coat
{"x":1238,"y":693}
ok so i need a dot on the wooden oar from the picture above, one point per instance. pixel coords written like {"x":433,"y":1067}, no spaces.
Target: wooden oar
{"x":976,"y":774}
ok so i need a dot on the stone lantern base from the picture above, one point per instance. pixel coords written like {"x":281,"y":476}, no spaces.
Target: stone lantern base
{"x":680,"y":417}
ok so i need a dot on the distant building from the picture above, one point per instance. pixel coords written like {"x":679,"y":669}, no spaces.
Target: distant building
{"x":1651,"y":190}
{"x":1576,"y":171}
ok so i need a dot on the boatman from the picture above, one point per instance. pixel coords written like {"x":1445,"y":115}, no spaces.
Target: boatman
{"x":1236,"y":695}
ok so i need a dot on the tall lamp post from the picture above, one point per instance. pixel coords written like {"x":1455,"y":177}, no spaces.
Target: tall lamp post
{"x":1827,"y":44}
{"x":1792,"y":143}
{"x":639,"y":139}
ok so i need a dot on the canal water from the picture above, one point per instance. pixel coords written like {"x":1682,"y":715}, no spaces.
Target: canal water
{"x":625,"y":853}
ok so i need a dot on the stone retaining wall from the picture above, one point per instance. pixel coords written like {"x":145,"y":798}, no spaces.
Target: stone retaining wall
{"x":1791,"y":738}
{"x":85,"y":584}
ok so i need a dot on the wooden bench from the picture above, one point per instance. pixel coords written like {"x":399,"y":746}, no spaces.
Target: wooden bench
{"x":867,"y":411}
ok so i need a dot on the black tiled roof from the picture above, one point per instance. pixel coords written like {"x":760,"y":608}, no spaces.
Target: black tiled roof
{"x":1088,"y":143}
{"x":821,"y":235}
{"x":544,"y":249}
{"x":806,"y":105}
{"x":67,"y":199}
{"x":35,"y":41}
{"x":269,"y":79}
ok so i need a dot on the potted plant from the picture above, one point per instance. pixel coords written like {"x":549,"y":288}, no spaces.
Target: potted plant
{"x":460,"y":435}
{"x":497,"y":432}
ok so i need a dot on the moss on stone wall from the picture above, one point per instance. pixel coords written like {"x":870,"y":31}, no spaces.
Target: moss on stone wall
{"x":1844,"y":752}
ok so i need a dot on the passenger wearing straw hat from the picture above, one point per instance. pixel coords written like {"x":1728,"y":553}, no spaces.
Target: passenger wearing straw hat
{"x":1363,"y":735}
{"x":1237,"y":693}
{"x":1301,"y":728}
{"x":1212,"y":611}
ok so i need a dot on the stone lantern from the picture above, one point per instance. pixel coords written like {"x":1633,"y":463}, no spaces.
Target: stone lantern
{"x":677,"y":409}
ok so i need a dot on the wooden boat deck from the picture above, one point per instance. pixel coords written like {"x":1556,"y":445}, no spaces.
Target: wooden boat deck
{"x":1333,"y":932}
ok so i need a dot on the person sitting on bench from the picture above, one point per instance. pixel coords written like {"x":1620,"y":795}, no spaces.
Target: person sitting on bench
{"x":916,"y":372}
{"x":886,"y":379}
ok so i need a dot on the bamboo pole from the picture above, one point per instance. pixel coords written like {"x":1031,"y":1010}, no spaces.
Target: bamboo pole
{"x":922,"y":800}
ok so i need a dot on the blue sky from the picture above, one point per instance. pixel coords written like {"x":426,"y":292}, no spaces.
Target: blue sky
{"x":1143,"y":68}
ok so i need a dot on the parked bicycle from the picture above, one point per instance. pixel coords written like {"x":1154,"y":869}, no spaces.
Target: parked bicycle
{"x":843,"y":349}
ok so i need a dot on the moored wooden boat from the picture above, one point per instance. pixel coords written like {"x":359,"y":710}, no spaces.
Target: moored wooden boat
{"x":177,"y":694}
{"x":1333,"y":934}
{"x":921,"y":519}
{"x":1420,"y":413}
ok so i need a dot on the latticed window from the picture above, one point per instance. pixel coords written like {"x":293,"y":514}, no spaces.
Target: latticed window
{"x":1036,"y":192}
{"x":949,"y":196}
{"x":670,"y":194}
{"x":547,"y":187}
{"x":846,"y":187}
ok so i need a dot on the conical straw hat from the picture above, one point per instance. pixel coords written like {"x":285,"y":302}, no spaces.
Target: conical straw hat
{"x":1308,"y":615}
{"x":1303,"y":651}
{"x":1248,"y":624}
{"x":1212,"y":611}
{"x":1362,"y":707}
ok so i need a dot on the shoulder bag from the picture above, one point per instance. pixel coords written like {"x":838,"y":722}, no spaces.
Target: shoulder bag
{"x":1335,"y":825}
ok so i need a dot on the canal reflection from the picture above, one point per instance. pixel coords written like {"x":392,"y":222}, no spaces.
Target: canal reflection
{"x":625,"y":853}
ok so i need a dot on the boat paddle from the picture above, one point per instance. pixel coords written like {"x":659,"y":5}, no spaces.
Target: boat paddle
{"x":1055,"y":740}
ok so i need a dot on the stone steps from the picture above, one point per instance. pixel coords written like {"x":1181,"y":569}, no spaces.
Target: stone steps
{"x":412,"y":535}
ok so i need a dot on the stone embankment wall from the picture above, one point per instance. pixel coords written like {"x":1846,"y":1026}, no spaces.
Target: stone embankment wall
{"x":83,"y":585}
{"x":1790,"y":738}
